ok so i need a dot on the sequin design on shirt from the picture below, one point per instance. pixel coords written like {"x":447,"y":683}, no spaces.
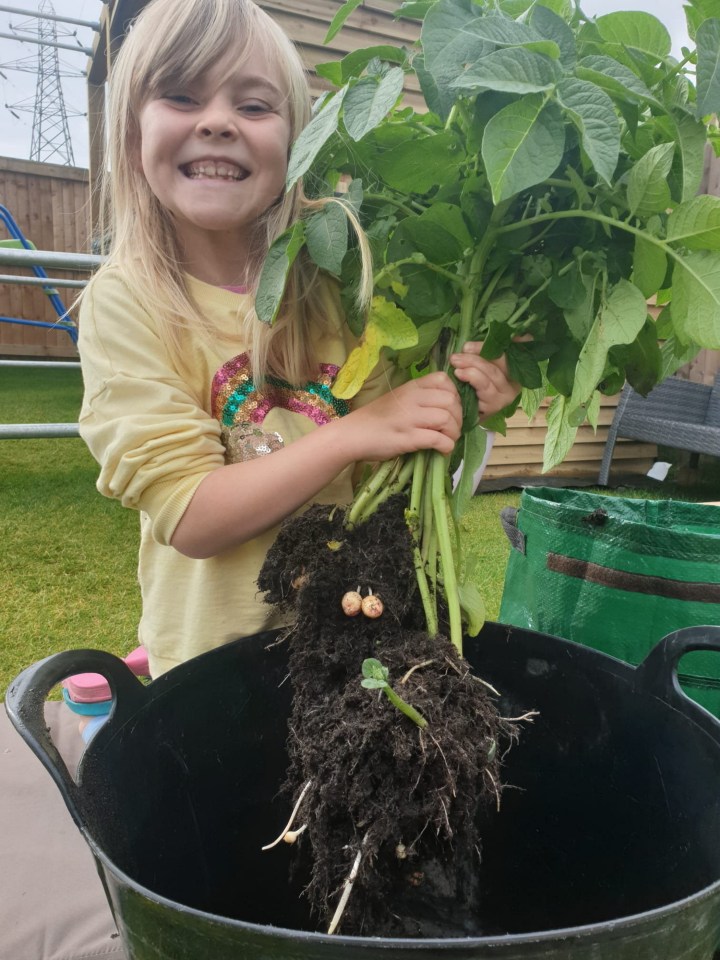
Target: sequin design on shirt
{"x":241,"y":408}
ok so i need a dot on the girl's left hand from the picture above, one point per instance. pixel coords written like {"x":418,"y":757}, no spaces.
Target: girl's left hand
{"x":489,"y":378}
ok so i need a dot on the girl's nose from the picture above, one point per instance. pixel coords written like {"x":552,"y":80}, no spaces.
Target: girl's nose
{"x":217,"y":120}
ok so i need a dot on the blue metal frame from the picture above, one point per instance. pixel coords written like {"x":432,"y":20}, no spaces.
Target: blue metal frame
{"x":63,"y":322}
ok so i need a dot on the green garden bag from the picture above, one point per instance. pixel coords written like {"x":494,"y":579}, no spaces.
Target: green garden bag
{"x":616,"y":574}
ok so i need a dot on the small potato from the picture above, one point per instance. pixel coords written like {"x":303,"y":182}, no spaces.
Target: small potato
{"x":351,"y":603}
{"x":372,"y":606}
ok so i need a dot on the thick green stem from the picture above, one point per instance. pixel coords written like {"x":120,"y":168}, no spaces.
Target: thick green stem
{"x":375,"y":483}
{"x":394,"y":485}
{"x":417,"y":527}
{"x":445,"y":549}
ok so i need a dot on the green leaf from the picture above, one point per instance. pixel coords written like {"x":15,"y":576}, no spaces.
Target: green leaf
{"x":619,"y":320}
{"x":340,"y":17}
{"x":522,"y":145}
{"x":708,"y":67}
{"x":696,"y":224}
{"x":428,"y":335}
{"x":504,"y":32}
{"x":387,"y":326}
{"x":641,"y":360}
{"x":439,"y":234}
{"x":369,"y":101}
{"x":414,"y":9}
{"x":649,"y":266}
{"x":647,"y":189}
{"x":560,"y":434}
{"x":372,"y":669}
{"x":313,"y":138}
{"x":579,"y":317}
{"x":690,"y":137}
{"x":510,"y":70}
{"x":473,"y":608}
{"x":474,"y":444}
{"x":674,"y":355}
{"x":340,"y":71}
{"x":593,"y":113}
{"x":418,"y":165}
{"x":616,"y":79}
{"x":276,"y":268}
{"x":696,"y":299}
{"x":552,"y":25}
{"x":326,"y":235}
{"x":449,"y":43}
{"x":636,"y":30}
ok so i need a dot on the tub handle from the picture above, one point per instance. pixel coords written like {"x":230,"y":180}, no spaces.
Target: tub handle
{"x":658,"y":673}
{"x":25,"y":701}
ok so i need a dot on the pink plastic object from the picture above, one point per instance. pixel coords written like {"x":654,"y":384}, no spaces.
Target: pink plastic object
{"x":93,"y":687}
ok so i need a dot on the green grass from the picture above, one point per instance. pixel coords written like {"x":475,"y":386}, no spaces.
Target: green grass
{"x":69,"y":556}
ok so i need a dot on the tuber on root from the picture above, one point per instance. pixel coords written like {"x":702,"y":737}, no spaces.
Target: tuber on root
{"x":372,"y":606}
{"x":351,"y":603}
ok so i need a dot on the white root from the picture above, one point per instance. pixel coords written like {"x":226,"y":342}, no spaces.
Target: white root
{"x":347,"y":889}
{"x":411,"y":671}
{"x":526,"y":717}
{"x":289,"y":824}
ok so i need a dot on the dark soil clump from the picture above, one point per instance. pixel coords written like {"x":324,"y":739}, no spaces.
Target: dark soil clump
{"x":404,"y":798}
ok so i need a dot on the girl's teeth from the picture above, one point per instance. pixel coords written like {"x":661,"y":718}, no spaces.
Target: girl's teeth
{"x":219,"y":170}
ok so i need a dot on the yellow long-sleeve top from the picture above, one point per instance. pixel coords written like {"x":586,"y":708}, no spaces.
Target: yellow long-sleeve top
{"x":157,"y":432}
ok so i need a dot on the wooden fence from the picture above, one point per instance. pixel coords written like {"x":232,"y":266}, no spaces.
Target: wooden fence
{"x":49,"y":203}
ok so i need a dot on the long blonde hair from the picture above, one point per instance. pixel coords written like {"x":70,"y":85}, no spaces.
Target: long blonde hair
{"x":177,"y":41}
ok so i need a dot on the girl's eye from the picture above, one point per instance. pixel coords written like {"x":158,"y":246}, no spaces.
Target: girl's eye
{"x":179,"y":98}
{"x":255,"y":109}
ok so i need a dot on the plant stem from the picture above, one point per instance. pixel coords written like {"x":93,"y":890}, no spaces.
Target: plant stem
{"x":404,"y":707}
{"x":375,"y":483}
{"x":417,"y":528}
{"x":600,"y":218}
{"x":395,"y":485}
{"x":445,"y":549}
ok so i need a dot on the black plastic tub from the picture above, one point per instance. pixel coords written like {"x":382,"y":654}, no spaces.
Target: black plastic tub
{"x":609,"y":848}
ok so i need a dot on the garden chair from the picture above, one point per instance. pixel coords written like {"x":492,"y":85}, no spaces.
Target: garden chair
{"x":677,"y":413}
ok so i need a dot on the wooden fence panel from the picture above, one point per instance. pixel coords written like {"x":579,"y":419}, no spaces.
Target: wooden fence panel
{"x":49,"y":204}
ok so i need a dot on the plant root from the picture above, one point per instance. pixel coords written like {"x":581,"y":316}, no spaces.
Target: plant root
{"x":290,"y":822}
{"x":371,"y":772}
{"x":347,"y":890}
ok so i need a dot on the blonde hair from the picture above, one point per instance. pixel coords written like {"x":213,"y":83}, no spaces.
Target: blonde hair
{"x":177,"y":41}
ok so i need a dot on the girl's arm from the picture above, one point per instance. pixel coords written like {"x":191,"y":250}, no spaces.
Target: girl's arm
{"x":239,"y":501}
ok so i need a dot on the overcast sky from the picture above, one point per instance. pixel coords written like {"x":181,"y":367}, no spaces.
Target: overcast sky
{"x":19,"y":87}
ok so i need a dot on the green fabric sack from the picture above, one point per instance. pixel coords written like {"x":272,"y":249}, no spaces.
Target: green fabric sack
{"x":616,"y":574}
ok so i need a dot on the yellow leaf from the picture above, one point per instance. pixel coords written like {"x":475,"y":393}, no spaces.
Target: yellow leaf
{"x":387,"y":326}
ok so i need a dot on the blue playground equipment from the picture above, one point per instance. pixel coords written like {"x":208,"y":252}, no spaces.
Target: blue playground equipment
{"x":64,"y":322}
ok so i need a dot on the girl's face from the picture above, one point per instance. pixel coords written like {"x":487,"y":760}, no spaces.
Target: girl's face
{"x":215,"y":153}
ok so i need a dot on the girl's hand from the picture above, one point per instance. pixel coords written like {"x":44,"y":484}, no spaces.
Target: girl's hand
{"x":489,"y":378}
{"x":423,"y":414}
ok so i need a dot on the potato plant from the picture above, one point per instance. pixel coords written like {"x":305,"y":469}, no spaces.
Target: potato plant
{"x":549,"y":190}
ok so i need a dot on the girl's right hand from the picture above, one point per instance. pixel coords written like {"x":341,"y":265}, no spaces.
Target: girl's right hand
{"x":422,"y":414}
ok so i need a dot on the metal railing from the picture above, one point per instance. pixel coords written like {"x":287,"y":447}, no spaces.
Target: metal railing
{"x":38,"y":260}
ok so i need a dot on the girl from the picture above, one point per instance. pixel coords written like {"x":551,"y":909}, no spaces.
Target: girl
{"x":214,"y":427}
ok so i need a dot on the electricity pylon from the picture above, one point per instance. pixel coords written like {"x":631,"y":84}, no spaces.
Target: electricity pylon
{"x":51,"y":141}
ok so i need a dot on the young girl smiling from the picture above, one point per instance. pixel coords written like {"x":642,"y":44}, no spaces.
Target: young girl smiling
{"x":210,"y":424}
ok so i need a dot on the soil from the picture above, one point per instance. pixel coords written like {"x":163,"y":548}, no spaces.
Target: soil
{"x":406,"y":798}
